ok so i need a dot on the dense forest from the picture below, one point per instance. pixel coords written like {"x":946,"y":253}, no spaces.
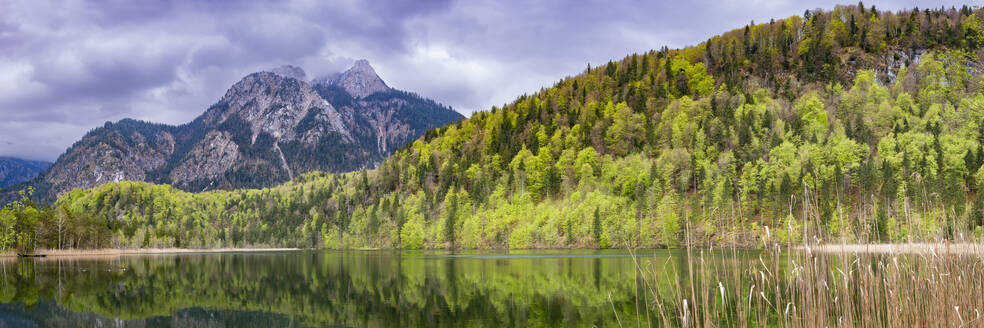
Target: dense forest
{"x":852,"y":124}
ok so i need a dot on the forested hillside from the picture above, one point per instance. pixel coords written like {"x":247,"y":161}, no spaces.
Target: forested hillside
{"x":847,"y":124}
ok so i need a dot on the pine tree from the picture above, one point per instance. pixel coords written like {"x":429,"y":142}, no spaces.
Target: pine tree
{"x":597,"y":226}
{"x":642,"y":202}
{"x":449,"y":224}
{"x":569,"y":235}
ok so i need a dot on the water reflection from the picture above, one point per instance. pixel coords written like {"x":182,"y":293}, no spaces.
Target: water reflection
{"x":361,"y":289}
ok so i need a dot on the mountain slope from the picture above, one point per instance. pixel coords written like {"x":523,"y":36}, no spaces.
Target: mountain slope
{"x":268,"y":128}
{"x":16,"y":170}
{"x":778,"y":132}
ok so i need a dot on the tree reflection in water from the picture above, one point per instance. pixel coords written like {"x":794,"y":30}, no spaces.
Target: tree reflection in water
{"x":315,"y":288}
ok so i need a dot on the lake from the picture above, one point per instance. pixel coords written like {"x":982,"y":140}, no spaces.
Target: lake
{"x":574,"y":288}
{"x":940,"y":286}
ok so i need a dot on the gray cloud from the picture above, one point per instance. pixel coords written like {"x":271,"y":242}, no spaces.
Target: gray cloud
{"x":69,"y":66}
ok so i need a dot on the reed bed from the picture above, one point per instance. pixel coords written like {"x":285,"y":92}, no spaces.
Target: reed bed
{"x":814,"y":287}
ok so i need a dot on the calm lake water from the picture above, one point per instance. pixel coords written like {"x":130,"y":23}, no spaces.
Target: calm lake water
{"x":577,"y":288}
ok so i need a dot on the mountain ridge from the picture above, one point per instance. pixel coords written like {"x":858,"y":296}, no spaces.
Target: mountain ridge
{"x":16,"y":170}
{"x":267,"y":128}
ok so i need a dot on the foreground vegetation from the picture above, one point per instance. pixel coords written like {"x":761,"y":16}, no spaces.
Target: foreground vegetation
{"x":852,"y":124}
{"x":800,"y":288}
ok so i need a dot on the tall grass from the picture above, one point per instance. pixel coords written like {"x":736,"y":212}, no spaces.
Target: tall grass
{"x":937,"y":286}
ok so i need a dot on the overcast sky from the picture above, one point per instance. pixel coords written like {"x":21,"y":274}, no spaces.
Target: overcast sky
{"x":69,"y":66}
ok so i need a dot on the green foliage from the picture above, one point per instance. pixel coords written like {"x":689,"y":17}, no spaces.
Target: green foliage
{"x":812,"y":115}
{"x":596,"y":228}
{"x":20,"y":224}
{"x":669,"y":220}
{"x":625,"y":134}
{"x":450,"y":220}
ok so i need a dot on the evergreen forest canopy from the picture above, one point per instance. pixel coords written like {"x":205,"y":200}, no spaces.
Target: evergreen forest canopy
{"x":852,"y":124}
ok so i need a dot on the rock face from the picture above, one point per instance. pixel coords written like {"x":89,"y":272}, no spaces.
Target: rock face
{"x":267,"y":128}
{"x":360,"y":80}
{"x":275,"y":105}
{"x":16,"y":170}
{"x":209,"y":158}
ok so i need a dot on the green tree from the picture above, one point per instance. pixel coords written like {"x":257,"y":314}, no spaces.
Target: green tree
{"x":812,"y":114}
{"x":669,"y":220}
{"x":626,"y":132}
{"x":451,"y":219}
{"x":596,"y":226}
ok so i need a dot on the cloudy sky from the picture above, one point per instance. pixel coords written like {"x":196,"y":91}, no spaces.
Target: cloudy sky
{"x":69,"y":66}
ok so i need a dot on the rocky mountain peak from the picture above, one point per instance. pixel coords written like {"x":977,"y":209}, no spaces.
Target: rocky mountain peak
{"x":360,"y":80}
{"x":290,"y":71}
{"x":362,"y":64}
{"x":274,"y":104}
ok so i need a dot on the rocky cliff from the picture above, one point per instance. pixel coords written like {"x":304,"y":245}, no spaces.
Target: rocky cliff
{"x":268,"y":128}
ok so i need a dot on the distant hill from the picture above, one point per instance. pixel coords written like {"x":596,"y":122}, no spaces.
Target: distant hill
{"x":16,"y":170}
{"x":268,"y":128}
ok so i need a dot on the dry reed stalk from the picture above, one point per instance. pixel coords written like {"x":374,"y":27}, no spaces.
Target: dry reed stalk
{"x":804,"y":288}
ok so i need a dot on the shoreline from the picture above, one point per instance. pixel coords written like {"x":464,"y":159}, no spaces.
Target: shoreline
{"x":144,"y":251}
{"x":900,"y":248}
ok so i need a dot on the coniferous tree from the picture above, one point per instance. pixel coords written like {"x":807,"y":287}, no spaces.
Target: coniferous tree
{"x":596,"y":226}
